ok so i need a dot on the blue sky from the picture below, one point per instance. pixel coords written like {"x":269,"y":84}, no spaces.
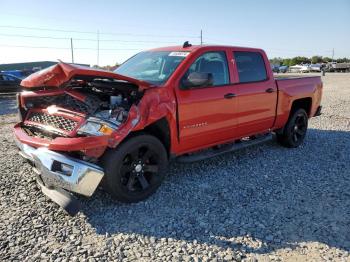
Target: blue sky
{"x":282,"y":28}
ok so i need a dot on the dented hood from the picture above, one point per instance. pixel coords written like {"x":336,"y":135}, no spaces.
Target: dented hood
{"x":61,"y":73}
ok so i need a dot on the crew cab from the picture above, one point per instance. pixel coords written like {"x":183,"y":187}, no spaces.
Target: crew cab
{"x":84,"y":127}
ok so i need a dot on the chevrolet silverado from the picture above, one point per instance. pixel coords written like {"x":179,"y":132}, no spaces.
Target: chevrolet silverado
{"x":82,"y":127}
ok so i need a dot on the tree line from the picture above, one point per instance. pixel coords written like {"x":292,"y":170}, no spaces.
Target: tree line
{"x":306,"y":60}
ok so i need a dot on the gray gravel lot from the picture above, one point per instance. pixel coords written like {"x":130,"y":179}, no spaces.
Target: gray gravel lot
{"x":266,"y":203}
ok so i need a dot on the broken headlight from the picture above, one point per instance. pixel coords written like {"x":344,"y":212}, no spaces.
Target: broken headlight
{"x":96,"y":127}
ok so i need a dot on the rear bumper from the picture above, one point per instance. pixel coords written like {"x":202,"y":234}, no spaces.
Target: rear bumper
{"x":58,"y":171}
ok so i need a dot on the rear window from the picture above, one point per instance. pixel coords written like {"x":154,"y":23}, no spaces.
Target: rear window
{"x":250,"y":66}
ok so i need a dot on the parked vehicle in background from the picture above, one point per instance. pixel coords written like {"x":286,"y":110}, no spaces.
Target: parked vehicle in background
{"x":299,"y":69}
{"x":19,"y":73}
{"x":339,"y":67}
{"x":315,"y":67}
{"x":81,"y":126}
{"x":9,"y":83}
{"x":16,"y":73}
{"x":283,"y":69}
{"x":275,"y":68}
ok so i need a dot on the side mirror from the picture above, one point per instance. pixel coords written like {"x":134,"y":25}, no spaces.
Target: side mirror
{"x":197,"y":79}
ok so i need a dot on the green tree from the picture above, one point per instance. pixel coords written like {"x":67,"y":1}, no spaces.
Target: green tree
{"x":276,"y":61}
{"x":343,"y":60}
{"x":316,"y":59}
{"x":299,"y":60}
{"x":286,"y":62}
{"x":326,"y":59}
{"x":294,"y":61}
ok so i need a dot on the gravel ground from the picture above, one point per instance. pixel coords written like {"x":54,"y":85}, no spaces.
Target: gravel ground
{"x":266,"y":203}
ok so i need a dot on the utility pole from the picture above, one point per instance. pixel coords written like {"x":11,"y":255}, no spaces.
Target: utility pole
{"x":332,"y":55}
{"x":201,"y":37}
{"x":98,"y":47}
{"x":71,"y":48}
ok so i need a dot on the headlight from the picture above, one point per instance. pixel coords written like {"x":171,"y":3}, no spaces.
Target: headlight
{"x":96,"y":127}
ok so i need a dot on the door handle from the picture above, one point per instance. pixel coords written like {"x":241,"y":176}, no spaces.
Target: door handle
{"x":229,"y":95}
{"x":270,"y":90}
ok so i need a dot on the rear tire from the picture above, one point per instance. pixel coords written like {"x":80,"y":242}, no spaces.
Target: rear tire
{"x":295,"y":130}
{"x":135,"y":169}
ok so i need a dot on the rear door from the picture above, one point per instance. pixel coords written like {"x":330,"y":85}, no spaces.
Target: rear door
{"x":256,"y":93}
{"x":206,"y":115}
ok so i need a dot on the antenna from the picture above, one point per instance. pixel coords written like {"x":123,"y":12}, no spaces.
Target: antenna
{"x":186,"y":44}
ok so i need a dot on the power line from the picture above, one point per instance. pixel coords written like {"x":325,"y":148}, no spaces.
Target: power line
{"x":91,"y":32}
{"x":33,"y":36}
{"x":86,"y":39}
{"x":68,"y":48}
{"x":165,"y":27}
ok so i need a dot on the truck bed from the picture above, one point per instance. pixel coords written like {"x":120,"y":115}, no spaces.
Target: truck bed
{"x":292,"y":88}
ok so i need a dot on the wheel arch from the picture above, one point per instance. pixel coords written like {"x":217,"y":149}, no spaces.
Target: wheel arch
{"x":159,"y":129}
{"x":304,"y":103}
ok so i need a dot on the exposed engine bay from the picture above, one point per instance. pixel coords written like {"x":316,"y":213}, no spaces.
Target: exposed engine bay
{"x":86,"y":106}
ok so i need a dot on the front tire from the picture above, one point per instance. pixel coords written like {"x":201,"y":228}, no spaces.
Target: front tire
{"x":135,"y":169}
{"x":295,"y":130}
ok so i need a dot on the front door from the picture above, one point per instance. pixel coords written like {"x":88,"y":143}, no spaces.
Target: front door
{"x":207,"y":114}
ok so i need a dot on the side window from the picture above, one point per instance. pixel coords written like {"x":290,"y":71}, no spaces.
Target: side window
{"x":5,"y":78}
{"x":8,"y":78}
{"x":214,"y":63}
{"x":250,"y":66}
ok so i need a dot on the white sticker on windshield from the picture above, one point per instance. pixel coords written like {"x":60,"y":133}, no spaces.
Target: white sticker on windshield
{"x":184,"y":54}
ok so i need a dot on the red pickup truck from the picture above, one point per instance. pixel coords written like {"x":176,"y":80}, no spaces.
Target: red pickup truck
{"x":82,"y":127}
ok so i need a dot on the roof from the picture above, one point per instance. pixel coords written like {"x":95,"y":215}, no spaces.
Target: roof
{"x":197,"y":47}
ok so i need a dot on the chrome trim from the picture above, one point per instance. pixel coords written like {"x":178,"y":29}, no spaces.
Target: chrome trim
{"x":85,"y":176}
{"x":26,"y":151}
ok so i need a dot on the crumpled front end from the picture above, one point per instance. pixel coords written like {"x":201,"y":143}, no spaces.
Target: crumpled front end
{"x":66,"y":129}
{"x":60,"y":171}
{"x":59,"y":174}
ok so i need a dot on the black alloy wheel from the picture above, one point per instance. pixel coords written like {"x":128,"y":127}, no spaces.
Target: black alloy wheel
{"x":295,"y":130}
{"x":139,"y":169}
{"x":299,"y":129}
{"x":135,"y":169}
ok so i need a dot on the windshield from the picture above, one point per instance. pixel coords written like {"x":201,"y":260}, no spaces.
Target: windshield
{"x":153,"y":67}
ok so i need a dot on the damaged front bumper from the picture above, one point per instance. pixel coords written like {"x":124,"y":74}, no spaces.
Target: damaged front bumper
{"x":58,"y":173}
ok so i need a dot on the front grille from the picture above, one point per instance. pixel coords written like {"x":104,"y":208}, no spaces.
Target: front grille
{"x":37,"y":132}
{"x":59,"y":122}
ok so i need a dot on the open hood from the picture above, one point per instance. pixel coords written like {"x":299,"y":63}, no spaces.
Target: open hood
{"x":57,"y":75}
